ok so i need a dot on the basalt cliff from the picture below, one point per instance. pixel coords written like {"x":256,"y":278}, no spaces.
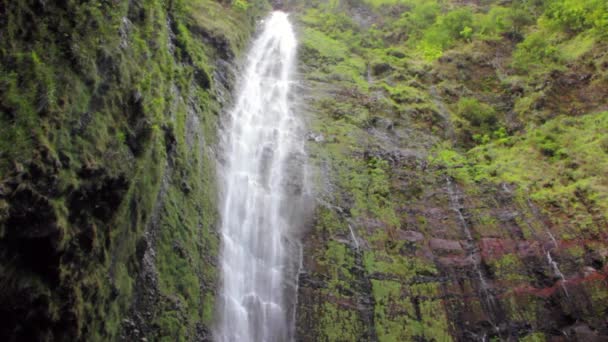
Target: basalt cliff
{"x":458,"y":155}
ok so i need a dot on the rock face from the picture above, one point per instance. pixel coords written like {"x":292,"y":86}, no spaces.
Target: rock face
{"x":460,"y":153}
{"x":413,"y":239}
{"x":109,"y":114}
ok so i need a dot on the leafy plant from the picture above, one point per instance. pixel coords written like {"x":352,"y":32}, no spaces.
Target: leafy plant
{"x":240,"y":5}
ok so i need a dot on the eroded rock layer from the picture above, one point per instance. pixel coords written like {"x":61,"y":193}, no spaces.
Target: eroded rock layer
{"x":462,"y":186}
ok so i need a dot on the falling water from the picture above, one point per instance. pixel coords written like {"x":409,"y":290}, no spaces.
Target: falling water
{"x":556,"y":271}
{"x":457,"y":207}
{"x":263,"y":180}
{"x":353,"y":236}
{"x":554,"y":265}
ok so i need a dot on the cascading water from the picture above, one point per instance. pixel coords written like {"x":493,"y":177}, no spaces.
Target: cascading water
{"x":263,"y":180}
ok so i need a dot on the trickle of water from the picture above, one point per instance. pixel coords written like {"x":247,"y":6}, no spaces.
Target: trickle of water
{"x":555,"y":266}
{"x":263,"y":182}
{"x":353,"y":236}
{"x":557,"y":272}
{"x":457,"y":207}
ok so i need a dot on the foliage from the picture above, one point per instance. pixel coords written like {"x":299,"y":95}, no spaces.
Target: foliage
{"x":559,"y":165}
{"x":576,"y":16}
{"x":483,"y":84}
{"x":536,"y":52}
{"x":475,"y":121}
{"x":94,"y":100}
{"x":240,"y":5}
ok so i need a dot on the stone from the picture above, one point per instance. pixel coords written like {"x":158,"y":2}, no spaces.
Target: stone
{"x":445,"y":245}
{"x":409,"y":235}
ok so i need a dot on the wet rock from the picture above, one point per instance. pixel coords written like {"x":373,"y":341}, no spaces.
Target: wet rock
{"x":442,"y":245}
{"x":124,"y":32}
{"x":528,"y":248}
{"x":457,"y":261}
{"x":409,"y":235}
{"x":396,"y":53}
{"x":318,"y":138}
{"x":186,"y":188}
{"x":380,"y":68}
{"x":495,"y":248}
{"x":582,"y":332}
{"x":588,"y":271}
{"x":180,"y":250}
{"x":383,"y":123}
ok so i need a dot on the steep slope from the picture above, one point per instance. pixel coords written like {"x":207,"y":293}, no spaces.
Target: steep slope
{"x":460,"y":146}
{"x":109,"y":113}
{"x":461,"y":150}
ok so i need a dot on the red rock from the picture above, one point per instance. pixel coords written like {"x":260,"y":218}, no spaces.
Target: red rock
{"x":588,"y":270}
{"x":568,"y":284}
{"x":493,"y":248}
{"x":436,"y":212}
{"x":458,"y":261}
{"x":528,"y":248}
{"x":410,"y":235}
{"x":445,"y":245}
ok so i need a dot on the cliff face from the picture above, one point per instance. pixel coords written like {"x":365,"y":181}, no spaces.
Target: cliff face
{"x":460,"y":149}
{"x":461,"y":159}
{"x":109,"y":113}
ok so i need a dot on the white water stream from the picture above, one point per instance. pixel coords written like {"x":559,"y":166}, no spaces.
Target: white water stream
{"x":263,"y":186}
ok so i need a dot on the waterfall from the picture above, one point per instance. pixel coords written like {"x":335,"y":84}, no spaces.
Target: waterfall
{"x":456,"y":206}
{"x":354,"y":237}
{"x":263,"y":193}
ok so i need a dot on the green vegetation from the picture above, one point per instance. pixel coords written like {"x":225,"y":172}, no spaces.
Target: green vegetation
{"x":502,"y":98}
{"x":559,"y":165}
{"x":106,"y":110}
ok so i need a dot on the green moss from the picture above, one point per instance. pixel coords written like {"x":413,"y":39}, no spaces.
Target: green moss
{"x":577,"y":47}
{"x":339,"y":261}
{"x":510,"y":268}
{"x":534,"y":337}
{"x":339,"y":324}
{"x":103,"y":89}
{"x":378,"y":86}
{"x":406,"y":268}
{"x":407,"y":313}
{"x":325,"y":46}
{"x":556,"y":165}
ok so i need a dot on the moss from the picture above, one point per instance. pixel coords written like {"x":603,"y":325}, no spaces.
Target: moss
{"x":552,"y":164}
{"x":406,"y":268}
{"x":339,"y":261}
{"x":534,"y":337}
{"x":408,"y":313}
{"x":96,"y":93}
{"x":509,"y":268}
{"x":577,"y":47}
{"x":475,"y":88}
{"x":339,"y":324}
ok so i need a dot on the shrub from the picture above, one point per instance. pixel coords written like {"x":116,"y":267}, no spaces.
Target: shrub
{"x":476,"y":113}
{"x":536,"y":52}
{"x":455,"y":22}
{"x":578,"y":15}
{"x":475,"y":121}
{"x":453,"y":26}
{"x":502,"y":19}
{"x":240,"y":5}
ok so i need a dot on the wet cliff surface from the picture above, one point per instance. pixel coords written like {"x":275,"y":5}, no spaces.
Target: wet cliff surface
{"x":109,"y":115}
{"x":461,"y":191}
{"x":460,"y":153}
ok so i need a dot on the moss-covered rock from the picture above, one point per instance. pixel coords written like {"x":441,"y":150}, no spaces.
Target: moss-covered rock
{"x":107,"y":197}
{"x":455,"y":203}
